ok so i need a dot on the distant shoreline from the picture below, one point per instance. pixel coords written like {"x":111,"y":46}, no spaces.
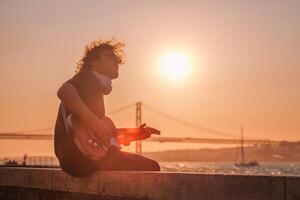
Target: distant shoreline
{"x":228,"y":155}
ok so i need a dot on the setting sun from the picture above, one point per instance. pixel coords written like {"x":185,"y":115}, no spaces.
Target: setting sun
{"x":175,"y":66}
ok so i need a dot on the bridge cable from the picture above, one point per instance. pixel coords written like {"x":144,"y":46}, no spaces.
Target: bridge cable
{"x":186,"y":123}
{"x":52,"y":128}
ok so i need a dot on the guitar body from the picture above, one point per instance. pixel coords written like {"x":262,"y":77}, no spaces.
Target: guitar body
{"x":93,"y":148}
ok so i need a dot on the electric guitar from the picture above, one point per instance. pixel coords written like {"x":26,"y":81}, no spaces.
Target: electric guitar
{"x":93,"y":148}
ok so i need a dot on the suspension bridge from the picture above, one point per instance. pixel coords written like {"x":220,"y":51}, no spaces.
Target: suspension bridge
{"x":222,"y":137}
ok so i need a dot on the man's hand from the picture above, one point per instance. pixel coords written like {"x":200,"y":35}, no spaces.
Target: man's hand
{"x":100,"y":131}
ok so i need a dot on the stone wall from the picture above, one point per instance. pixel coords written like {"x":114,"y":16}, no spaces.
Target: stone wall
{"x":34,"y":183}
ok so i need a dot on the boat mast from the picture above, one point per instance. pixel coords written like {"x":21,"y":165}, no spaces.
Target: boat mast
{"x":242,"y":145}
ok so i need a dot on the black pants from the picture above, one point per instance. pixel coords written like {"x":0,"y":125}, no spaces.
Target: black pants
{"x":75,"y":163}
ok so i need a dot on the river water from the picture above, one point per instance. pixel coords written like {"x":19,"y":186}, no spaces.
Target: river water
{"x":287,"y":169}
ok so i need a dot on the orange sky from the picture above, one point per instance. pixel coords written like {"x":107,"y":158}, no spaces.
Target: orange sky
{"x":245,"y":54}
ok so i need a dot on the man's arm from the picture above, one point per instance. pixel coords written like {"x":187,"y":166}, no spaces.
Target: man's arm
{"x":68,"y":95}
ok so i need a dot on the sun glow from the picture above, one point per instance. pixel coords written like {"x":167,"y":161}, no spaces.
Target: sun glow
{"x":175,"y":66}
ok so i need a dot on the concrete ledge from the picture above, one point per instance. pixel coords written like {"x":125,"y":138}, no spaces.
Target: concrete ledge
{"x":151,"y":185}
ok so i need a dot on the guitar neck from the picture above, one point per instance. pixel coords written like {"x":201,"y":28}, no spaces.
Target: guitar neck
{"x":121,"y":131}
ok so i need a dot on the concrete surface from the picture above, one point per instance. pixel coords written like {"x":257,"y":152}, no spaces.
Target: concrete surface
{"x":33,"y":183}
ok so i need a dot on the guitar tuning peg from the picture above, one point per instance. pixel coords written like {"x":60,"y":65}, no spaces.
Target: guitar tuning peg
{"x":143,"y":125}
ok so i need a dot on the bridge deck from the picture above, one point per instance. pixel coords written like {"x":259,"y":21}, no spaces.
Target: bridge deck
{"x":152,"y":139}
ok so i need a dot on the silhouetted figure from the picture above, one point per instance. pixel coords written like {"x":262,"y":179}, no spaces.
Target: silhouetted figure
{"x":82,"y":95}
{"x":25,"y":159}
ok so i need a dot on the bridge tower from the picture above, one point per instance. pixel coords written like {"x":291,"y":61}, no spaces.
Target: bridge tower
{"x":138,"y":122}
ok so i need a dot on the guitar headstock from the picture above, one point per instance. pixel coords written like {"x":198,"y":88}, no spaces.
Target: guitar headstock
{"x":149,"y":130}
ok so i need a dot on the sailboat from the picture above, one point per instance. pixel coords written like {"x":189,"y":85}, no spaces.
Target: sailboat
{"x":252,"y":163}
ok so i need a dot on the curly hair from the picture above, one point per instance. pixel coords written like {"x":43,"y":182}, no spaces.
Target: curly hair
{"x":92,"y":49}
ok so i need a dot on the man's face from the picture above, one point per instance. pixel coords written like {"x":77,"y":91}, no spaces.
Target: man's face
{"x":107,"y":63}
